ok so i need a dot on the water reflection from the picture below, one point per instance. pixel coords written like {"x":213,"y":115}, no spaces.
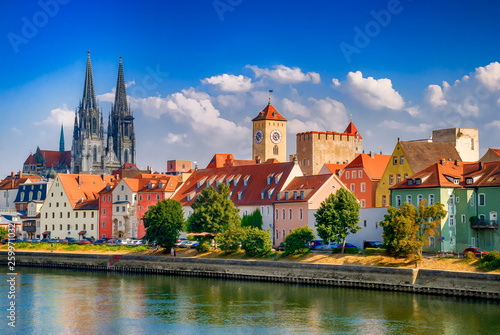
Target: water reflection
{"x":69,"y":302}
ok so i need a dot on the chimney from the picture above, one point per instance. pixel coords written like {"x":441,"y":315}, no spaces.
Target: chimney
{"x":12,"y":174}
{"x":442,"y":161}
{"x":20,"y":174}
{"x":295,"y":160}
{"x":457,"y":163}
{"x":195,"y":166}
{"x":372,"y":154}
{"x":257,"y":159}
{"x":481,"y":165}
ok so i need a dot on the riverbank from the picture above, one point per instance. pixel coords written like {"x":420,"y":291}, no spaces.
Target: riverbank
{"x":466,"y":284}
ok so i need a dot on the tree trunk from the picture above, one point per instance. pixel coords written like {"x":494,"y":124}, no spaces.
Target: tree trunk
{"x":343,"y":246}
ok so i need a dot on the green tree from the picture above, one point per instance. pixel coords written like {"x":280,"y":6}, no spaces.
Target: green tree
{"x":299,"y":241}
{"x":231,"y":240}
{"x":408,"y":228}
{"x":252,"y":220}
{"x":257,"y":242}
{"x":338,"y":216}
{"x":164,"y":223}
{"x":3,"y":233}
{"x":213,"y":211}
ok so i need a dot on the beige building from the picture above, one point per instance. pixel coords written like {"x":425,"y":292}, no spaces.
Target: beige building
{"x":269,"y":135}
{"x":316,"y":148}
{"x":466,"y":141}
{"x":71,"y":206}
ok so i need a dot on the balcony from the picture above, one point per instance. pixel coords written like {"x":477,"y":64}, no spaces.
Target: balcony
{"x":29,"y":228}
{"x":484,"y":224}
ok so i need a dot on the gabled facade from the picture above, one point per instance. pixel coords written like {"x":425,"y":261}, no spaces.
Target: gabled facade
{"x":362,"y":176}
{"x":408,"y":158}
{"x":9,"y":188}
{"x":29,"y":200}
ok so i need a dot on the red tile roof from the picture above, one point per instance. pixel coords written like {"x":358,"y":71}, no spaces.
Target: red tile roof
{"x":82,"y":187}
{"x":269,"y":113}
{"x":255,"y":192}
{"x":224,"y":160}
{"x":374,"y":167}
{"x":351,"y":129}
{"x":30,"y":160}
{"x":13,"y":181}
{"x":442,"y":174}
{"x":335,"y":168}
{"x":309,"y":184}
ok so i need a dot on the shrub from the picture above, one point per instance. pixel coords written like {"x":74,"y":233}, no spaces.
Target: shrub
{"x":257,"y":242}
{"x":203,"y":247}
{"x":491,"y":261}
{"x":298,"y":241}
{"x":346,"y":250}
{"x":374,"y":251}
{"x":230,"y":240}
{"x":470,"y":255}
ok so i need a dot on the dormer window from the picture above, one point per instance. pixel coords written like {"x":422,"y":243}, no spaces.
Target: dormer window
{"x":270,"y":193}
{"x":245,"y":181}
{"x":418,"y":181}
{"x":236,"y":180}
{"x":301,"y":195}
{"x":294,"y":195}
{"x":456,"y":181}
{"x":410,"y":182}
{"x":150,"y":185}
{"x":200,"y":182}
{"x":468,"y":181}
{"x":270,"y":178}
{"x":286,"y":195}
{"x":160,"y":185}
{"x":240,"y":194}
{"x":190,"y":196}
{"x":277,"y":178}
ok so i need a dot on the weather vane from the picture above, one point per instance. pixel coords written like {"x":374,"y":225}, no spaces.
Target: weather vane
{"x":270,"y":91}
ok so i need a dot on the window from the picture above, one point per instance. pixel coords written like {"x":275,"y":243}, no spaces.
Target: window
{"x":60,"y":215}
{"x":401,"y":160}
{"x":92,"y":215}
{"x":353,"y":174}
{"x":76,"y":215}
{"x":45,"y":227}
{"x":464,"y":218}
{"x":362,"y":203}
{"x":431,"y":241}
{"x":364,"y":223}
{"x":69,"y":227}
{"x":277,"y":234}
{"x":300,"y":213}
{"x":76,"y":226}
{"x":472,"y":199}
{"x":482,"y":217}
{"x":291,"y":213}
{"x":57,"y":204}
{"x":472,"y":144}
{"x":123,"y":187}
{"x":384,"y":201}
{"x":104,"y":198}
{"x":473,"y":241}
{"x":91,"y":226}
{"x":123,"y":208}
{"x":149,"y":196}
{"x":53,"y":227}
{"x":104,"y":211}
{"x":157,"y":197}
{"x":284,"y":214}
{"x":352,"y":188}
{"x":457,"y":200}
{"x":140,"y":197}
{"x":53,"y":215}
{"x":46,"y":215}
{"x":481,"y":199}
{"x":363,"y":187}
{"x":376,"y":224}
{"x":140,"y":208}
{"x":398,"y":200}
{"x":277,"y":216}
{"x":408,"y":199}
{"x":118,"y":198}
{"x":406,"y":175}
{"x":431,"y":199}
{"x":451,"y":221}
{"x":391,"y":179}
{"x":395,"y":160}
{"x":60,"y":227}
{"x":420,"y":197}
{"x":360,"y":173}
{"x":117,"y":209}
{"x":104,"y":224}
{"x":347,"y":175}
{"x":84,"y":215}
{"x":284,"y":234}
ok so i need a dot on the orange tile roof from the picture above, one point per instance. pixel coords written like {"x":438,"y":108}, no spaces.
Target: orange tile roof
{"x":310,"y":184}
{"x":440,"y":174}
{"x":374,"y":167}
{"x":222,"y":160}
{"x":83,"y":186}
{"x":335,"y":168}
{"x":251,"y":194}
{"x":30,"y":160}
{"x":13,"y":181}
{"x":269,"y":113}
{"x":351,"y":129}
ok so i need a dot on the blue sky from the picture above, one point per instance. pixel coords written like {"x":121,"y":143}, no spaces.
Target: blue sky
{"x":198,"y":71}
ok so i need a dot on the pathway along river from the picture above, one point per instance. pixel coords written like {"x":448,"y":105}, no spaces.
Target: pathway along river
{"x":51,"y":301}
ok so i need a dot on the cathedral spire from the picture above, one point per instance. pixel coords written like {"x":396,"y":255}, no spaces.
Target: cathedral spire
{"x":61,"y":140}
{"x":121,"y":106}
{"x":88,"y":101}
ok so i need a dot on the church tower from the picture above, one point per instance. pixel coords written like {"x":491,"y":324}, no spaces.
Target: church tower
{"x":88,"y":148}
{"x":269,"y":135}
{"x":61,"y":140}
{"x":121,"y":134}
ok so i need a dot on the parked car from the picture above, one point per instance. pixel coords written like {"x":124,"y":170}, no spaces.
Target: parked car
{"x":69,"y":240}
{"x":316,"y":244}
{"x":35,"y":240}
{"x":53,"y":240}
{"x":44,"y":240}
{"x":101,"y":241}
{"x":476,"y":251}
{"x":186,"y":244}
{"x":179,"y":242}
{"x":84,"y":241}
{"x":111,"y":241}
{"x":373,"y":244}
{"x":5,"y":241}
{"x":194,"y":245}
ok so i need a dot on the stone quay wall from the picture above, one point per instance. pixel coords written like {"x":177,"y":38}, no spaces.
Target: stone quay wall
{"x":464,"y":284}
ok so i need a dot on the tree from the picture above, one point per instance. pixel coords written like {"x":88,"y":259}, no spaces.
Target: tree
{"x":164,"y":223}
{"x":298,"y":241}
{"x":213,"y":211}
{"x":231,"y":240}
{"x":257,"y":242}
{"x":338,"y":216}
{"x":408,"y":228}
{"x":252,"y":220}
{"x":3,"y":233}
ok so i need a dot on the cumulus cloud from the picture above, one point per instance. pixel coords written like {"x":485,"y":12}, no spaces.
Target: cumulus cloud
{"x":295,"y":108}
{"x":493,"y":124}
{"x":420,"y":128}
{"x":326,"y":114}
{"x":233,"y":101}
{"x":435,"y":96}
{"x":230,"y":83}
{"x":175,"y":138}
{"x":413,"y":111}
{"x":335,"y":82}
{"x":130,"y":83}
{"x":58,"y":115}
{"x":489,"y":76}
{"x":285,"y":75}
{"x":376,"y":94}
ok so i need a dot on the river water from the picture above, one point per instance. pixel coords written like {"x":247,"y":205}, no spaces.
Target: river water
{"x":50,"y":301}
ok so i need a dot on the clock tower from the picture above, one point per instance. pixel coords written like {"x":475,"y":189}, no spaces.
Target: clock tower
{"x":269,"y":135}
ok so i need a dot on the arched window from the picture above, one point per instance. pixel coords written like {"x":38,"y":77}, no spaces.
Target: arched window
{"x":126,"y":156}
{"x":95,"y":154}
{"x":290,"y":213}
{"x":94,"y":125}
{"x":39,"y":195}
{"x":275,"y":150}
{"x":30,"y":196}
{"x":284,"y":234}
{"x":284,"y":214}
{"x":277,"y":234}
{"x":300,"y":213}
{"x":277,"y":215}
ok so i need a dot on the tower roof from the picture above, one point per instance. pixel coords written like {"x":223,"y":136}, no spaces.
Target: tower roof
{"x":269,"y":113}
{"x":121,"y":105}
{"x":89,"y":100}
{"x":351,"y":129}
{"x":61,"y":140}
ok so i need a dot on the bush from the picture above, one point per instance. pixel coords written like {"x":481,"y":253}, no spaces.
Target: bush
{"x":203,"y":247}
{"x":298,"y":241}
{"x":346,"y":250}
{"x":257,"y":242}
{"x":230,"y":240}
{"x":470,"y":255}
{"x":374,"y":251}
{"x":491,"y":261}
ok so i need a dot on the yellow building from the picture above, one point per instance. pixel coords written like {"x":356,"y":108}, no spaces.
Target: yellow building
{"x":408,"y":158}
{"x":269,"y":135}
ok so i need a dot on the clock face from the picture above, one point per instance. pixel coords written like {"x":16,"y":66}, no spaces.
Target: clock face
{"x":276,"y":136}
{"x":258,"y":136}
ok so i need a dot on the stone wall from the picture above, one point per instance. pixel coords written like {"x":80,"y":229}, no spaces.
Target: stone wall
{"x":478,"y":285}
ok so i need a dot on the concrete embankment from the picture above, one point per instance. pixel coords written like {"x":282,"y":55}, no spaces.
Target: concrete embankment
{"x":465,"y":284}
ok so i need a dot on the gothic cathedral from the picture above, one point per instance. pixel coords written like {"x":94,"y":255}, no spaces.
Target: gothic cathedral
{"x":269,"y":135}
{"x":91,"y":152}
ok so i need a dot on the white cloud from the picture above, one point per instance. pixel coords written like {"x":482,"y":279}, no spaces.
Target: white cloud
{"x":57,"y":116}
{"x":420,"y":128}
{"x":230,"y":83}
{"x":493,"y":124}
{"x":130,"y":83}
{"x":107,"y":97}
{"x":324,"y":115}
{"x":335,"y":82}
{"x":295,"y":108}
{"x":435,"y":96}
{"x":285,"y":75}
{"x":233,"y":101}
{"x":413,"y":111}
{"x":489,"y":76}
{"x":374,"y":93}
{"x":175,"y":138}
